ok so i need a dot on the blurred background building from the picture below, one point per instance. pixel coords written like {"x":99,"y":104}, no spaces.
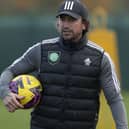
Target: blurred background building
{"x":23,"y":23}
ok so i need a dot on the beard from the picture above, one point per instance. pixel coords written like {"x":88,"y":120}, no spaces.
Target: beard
{"x":69,"y":35}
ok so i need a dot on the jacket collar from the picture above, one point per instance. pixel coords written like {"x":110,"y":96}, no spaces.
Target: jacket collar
{"x":72,"y":46}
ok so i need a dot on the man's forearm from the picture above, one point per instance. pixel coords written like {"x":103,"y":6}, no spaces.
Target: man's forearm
{"x":119,"y":114}
{"x":5,"y":78}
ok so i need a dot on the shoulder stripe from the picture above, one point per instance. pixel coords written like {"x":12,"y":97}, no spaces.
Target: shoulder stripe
{"x":114,"y":76}
{"x":94,"y":45}
{"x":27,"y":51}
{"x":30,"y":48}
{"x":53,"y":40}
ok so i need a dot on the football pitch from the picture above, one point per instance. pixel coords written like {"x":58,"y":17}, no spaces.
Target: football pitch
{"x":21,"y":118}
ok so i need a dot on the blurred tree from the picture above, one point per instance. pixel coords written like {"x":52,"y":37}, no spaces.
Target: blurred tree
{"x":49,"y":5}
{"x":110,"y":6}
{"x":17,"y":7}
{"x":23,"y":6}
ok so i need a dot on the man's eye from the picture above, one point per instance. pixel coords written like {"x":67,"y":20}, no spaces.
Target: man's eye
{"x":67,"y":18}
{"x":72,"y":19}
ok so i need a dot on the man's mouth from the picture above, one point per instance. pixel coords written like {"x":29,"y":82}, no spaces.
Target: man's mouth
{"x":66,"y":31}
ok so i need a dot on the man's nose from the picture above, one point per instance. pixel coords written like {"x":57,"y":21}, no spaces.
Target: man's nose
{"x":66,"y":23}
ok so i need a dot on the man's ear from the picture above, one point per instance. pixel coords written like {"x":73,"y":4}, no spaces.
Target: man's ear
{"x":86,"y":25}
{"x":57,"y":25}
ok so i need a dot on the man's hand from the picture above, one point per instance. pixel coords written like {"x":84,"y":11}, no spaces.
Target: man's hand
{"x":11,"y":101}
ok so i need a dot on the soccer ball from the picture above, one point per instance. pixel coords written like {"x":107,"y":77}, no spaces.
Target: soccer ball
{"x":28,"y":86}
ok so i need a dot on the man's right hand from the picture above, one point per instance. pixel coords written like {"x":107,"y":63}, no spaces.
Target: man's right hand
{"x":11,"y":101}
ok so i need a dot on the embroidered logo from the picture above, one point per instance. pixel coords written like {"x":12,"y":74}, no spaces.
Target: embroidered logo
{"x":87,"y":61}
{"x":53,"y":57}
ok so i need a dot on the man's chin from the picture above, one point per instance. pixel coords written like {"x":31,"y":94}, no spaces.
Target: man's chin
{"x":67,"y":37}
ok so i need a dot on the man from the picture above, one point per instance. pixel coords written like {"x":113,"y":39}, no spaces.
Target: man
{"x":72,"y":70}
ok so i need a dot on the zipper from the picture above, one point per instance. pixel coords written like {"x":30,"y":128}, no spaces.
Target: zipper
{"x":66,"y":87}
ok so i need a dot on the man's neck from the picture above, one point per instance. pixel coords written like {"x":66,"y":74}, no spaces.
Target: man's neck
{"x":70,"y":44}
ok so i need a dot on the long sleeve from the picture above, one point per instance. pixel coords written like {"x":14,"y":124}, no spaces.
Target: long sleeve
{"x":5,"y":78}
{"x":28,"y":62}
{"x":111,"y":87}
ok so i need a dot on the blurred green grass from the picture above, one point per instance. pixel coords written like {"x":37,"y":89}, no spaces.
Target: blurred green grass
{"x":17,"y":120}
{"x":21,"y":118}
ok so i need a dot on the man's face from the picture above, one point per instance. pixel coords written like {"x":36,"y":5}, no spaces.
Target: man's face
{"x":70,"y":28}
